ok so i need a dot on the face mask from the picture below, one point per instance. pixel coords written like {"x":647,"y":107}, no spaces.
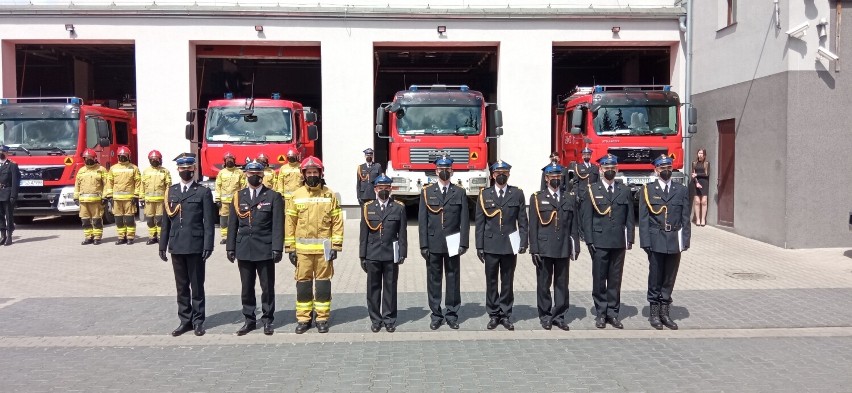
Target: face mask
{"x":666,"y":175}
{"x":155,"y":163}
{"x":369,"y":159}
{"x":586,"y":159}
{"x":186,"y":175}
{"x":255,"y":180}
{"x":2,"y":156}
{"x":90,"y":162}
{"x":554,"y":183}
{"x":291,"y":159}
{"x":312,"y":181}
{"x":502,"y":179}
{"x":123,"y":159}
{"x":554,"y":160}
{"x":229,"y":164}
{"x":609,"y":175}
{"x":444,"y":175}
{"x":384,"y":194}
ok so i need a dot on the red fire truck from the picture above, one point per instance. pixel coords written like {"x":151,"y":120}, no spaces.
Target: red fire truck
{"x":634,"y":123}
{"x":46,"y":137}
{"x":247,"y":127}
{"x":428,"y":122}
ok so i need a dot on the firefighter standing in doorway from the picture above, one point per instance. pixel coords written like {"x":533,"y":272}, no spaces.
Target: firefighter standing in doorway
{"x":313,"y":235}
{"x":89,"y":194}
{"x":229,"y":180}
{"x":155,"y":181}
{"x":124,"y":185}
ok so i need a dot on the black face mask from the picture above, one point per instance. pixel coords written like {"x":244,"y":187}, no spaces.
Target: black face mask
{"x":369,"y":158}
{"x":554,"y":160}
{"x":384,"y":194}
{"x":90,"y":162}
{"x":609,"y":175}
{"x":2,"y":156}
{"x":255,"y":180}
{"x":586,"y":159}
{"x":186,"y":175}
{"x":502,"y":179}
{"x":123,"y":159}
{"x":444,"y":175}
{"x":554,"y":183}
{"x":291,"y":159}
{"x":312,"y":181}
{"x":229,"y":164}
{"x":155,"y":163}
{"x":666,"y":175}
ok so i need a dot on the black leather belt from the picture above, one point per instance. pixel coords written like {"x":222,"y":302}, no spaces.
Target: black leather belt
{"x":668,"y":227}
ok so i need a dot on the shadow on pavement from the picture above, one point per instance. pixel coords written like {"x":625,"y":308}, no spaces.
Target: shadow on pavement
{"x":411,"y":314}
{"x":346,"y":314}
{"x":847,"y":253}
{"x":575,"y":313}
{"x":676,"y":312}
{"x":470,"y":311}
{"x":24,"y":239}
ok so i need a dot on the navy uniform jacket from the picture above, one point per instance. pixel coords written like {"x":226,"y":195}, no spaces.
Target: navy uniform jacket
{"x":364,"y":188}
{"x":10,"y":179}
{"x":190,"y":230}
{"x":553,"y":225}
{"x":255,"y":236}
{"x":435,"y":208}
{"x":585,"y":175}
{"x":491,"y":236}
{"x":614,"y":229}
{"x":652,"y":227}
{"x":391,"y":226}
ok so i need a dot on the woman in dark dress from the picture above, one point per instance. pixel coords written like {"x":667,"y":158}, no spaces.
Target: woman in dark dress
{"x":701,"y":182}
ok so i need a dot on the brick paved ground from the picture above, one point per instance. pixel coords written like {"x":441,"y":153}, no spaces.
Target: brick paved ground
{"x":754,"y":318}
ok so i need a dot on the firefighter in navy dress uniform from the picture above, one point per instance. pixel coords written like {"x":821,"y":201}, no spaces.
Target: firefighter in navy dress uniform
{"x":608,"y":224}
{"x":383,"y":225}
{"x":664,"y":233}
{"x":367,"y":174}
{"x":500,"y":211}
{"x":554,"y":241}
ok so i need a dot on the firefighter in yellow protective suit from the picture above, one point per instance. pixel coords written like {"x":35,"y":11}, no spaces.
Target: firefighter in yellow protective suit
{"x":313,"y":235}
{"x":229,"y":180}
{"x":88,"y":193}
{"x":124,"y":186}
{"x":289,"y":175}
{"x":155,"y":181}
{"x":269,"y":175}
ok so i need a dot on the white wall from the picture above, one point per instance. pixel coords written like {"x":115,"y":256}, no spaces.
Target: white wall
{"x":166,"y":81}
{"x":370,"y":3}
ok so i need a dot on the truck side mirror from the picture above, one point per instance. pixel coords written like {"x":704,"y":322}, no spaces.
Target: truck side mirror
{"x":190,"y":116}
{"x":310,"y":117}
{"x":577,"y":120}
{"x":103,"y":142}
{"x":498,"y":119}
{"x":189,"y":132}
{"x":379,"y":130}
{"x":498,"y":131}
{"x":576,"y":130}
{"x":692,"y":115}
{"x":103,"y":130}
{"x":313,"y":134}
{"x":692,"y":128}
{"x":380,"y":116}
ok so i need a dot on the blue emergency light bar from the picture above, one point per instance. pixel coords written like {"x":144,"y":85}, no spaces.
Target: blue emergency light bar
{"x":438,"y":87}
{"x":229,"y":96}
{"x":603,"y":88}
{"x":67,"y":100}
{"x":276,"y":96}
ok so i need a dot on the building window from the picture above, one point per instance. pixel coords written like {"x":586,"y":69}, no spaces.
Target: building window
{"x":732,"y":12}
{"x":727,"y":15}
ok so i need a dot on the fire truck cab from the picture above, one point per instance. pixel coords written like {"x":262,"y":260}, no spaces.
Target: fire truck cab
{"x":47,"y":136}
{"x":427,"y":122}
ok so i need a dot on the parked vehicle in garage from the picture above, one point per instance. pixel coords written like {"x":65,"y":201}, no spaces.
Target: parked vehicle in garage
{"x":47,"y":135}
{"x":637,"y":124}
{"x":427,"y":122}
{"x":247,"y":127}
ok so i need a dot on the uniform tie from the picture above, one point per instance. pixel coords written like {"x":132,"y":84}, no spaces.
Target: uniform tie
{"x":444,"y":191}
{"x":666,"y":190}
{"x":609,"y":189}
{"x":185,"y":187}
{"x":556,"y":197}
{"x":501,"y":194}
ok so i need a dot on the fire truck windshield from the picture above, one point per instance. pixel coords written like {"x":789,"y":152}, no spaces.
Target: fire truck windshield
{"x":635,"y":120}
{"x":40,"y":136}
{"x":439,"y":120}
{"x":225,"y":124}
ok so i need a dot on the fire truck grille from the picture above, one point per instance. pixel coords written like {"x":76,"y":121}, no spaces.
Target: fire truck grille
{"x":637,"y":155}
{"x":46,"y":173}
{"x":426,"y":155}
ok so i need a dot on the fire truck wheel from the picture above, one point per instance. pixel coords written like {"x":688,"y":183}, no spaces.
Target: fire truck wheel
{"x":108,"y":217}
{"x":23,"y":220}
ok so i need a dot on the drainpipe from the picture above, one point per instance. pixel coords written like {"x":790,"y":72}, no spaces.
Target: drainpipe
{"x":687,"y":92}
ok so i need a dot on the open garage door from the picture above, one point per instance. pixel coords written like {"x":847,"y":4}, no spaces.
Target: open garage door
{"x":399,"y":66}
{"x":242,"y":70}
{"x":88,"y":71}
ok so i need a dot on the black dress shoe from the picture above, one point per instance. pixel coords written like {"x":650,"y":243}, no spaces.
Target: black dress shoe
{"x":507,"y":324}
{"x":199,"y":329}
{"x":151,"y":241}
{"x":547,"y":325}
{"x":302,"y":327}
{"x":267,"y":328}
{"x":247,"y":327}
{"x":375,"y":327}
{"x":121,"y":240}
{"x":562,"y":325}
{"x":493,"y":323}
{"x":181,"y":329}
{"x":322,"y":327}
{"x":614,"y":322}
{"x":87,"y":241}
{"x":390,"y":327}
{"x":436,"y":324}
{"x":600,"y":322}
{"x":453,"y":324}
